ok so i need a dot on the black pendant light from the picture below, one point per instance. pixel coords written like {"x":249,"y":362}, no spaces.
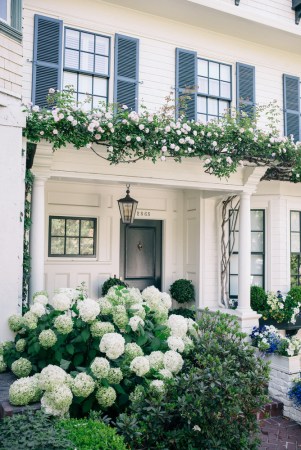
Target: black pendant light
{"x":127,"y":207}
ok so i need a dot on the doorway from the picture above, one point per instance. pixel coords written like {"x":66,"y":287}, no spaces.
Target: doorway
{"x":141,"y":253}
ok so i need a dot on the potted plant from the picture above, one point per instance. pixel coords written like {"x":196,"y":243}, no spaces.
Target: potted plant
{"x":182,"y":291}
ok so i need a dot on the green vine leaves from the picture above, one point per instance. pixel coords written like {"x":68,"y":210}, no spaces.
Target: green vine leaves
{"x":222,"y":146}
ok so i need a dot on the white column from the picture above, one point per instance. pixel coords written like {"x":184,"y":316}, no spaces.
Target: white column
{"x":244,"y":256}
{"x":37,"y":235}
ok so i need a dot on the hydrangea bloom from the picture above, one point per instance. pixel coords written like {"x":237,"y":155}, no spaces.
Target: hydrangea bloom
{"x":189,"y":345}
{"x":83,"y":385}
{"x":115,"y":375}
{"x":165,"y":373}
{"x":30,"y":320}
{"x":120,"y":317}
{"x":73,"y":294}
{"x":40,"y":297}
{"x":57,"y":401}
{"x":52,"y":376}
{"x":156,"y":360}
{"x":166,"y":299}
{"x":161,"y":314}
{"x":178,"y":325}
{"x":176,"y":343}
{"x":38,"y":309}
{"x":21,"y":367}
{"x":106,"y":396}
{"x":105,"y":306}
{"x":47,"y":338}
{"x":24,"y":391}
{"x":98,"y":329}
{"x":138,"y":310}
{"x":137,"y":395}
{"x":192,"y":327}
{"x":88,"y":309}
{"x":152,"y":297}
{"x":112,"y":344}
{"x":63,"y":324}
{"x":135,"y":321}
{"x":15,"y":323}
{"x":132,"y":350}
{"x":173,"y":361}
{"x":61,"y":302}
{"x":3,"y":366}
{"x":100,"y":368}
{"x":20,"y":345}
{"x":140,"y":365}
{"x":157,"y":386}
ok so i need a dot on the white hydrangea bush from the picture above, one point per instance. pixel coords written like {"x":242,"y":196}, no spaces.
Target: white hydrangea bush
{"x":88,"y":354}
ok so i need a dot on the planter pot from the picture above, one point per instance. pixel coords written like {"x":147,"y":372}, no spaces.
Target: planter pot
{"x":288,"y":326}
{"x":287,"y":364}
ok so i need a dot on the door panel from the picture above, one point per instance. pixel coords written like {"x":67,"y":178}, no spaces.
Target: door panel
{"x":141,"y":253}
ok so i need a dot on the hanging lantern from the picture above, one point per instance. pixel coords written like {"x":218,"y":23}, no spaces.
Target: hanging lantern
{"x":127,"y":207}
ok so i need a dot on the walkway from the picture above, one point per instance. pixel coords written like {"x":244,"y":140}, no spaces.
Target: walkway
{"x":280,"y":433}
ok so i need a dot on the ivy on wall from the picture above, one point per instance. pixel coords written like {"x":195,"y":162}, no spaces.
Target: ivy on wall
{"x":129,"y":137}
{"x":29,"y":177}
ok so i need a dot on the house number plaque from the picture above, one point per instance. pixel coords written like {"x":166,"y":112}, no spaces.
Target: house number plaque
{"x":143,"y":213}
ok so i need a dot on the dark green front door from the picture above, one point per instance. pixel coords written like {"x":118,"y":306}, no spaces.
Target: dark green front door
{"x":141,"y":253}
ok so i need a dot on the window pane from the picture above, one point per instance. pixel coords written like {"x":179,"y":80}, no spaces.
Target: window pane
{"x":257,"y":281}
{"x":295,"y":242}
{"x":295,"y":268}
{"x":100,"y":87}
{"x":57,"y":246}
{"x":202,"y":104}
{"x":101,"y":64}
{"x":214,"y":88}
{"x":225,"y":90}
{"x":72,"y":39}
{"x":233,"y":285}
{"x":213,"y":70}
{"x":202,"y":68}
{"x":256,"y":264}
{"x":223,"y":107}
{"x":202,"y":118}
{"x":212,"y":106}
{"x":72,"y":227}
{"x":87,"y":62}
{"x":70,"y":80}
{"x":102,"y":45}
{"x":85,"y":100}
{"x":234,"y":237}
{"x":86,"y":246}
{"x":3,"y":9}
{"x":295,"y":221}
{"x":234,"y":264}
{"x":203,"y":85}
{"x":87,"y":228}
{"x":71,"y":59}
{"x":225,"y":72}
{"x":57,"y":227}
{"x":87,"y":42}
{"x":257,"y":220}
{"x":257,"y":241}
{"x":72,"y":247}
{"x":234,"y":220}
{"x":98,"y":102}
{"x":85,"y":84}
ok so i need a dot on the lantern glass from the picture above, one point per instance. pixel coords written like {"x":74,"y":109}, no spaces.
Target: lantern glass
{"x":127,"y":207}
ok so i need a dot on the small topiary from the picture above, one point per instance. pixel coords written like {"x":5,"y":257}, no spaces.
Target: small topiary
{"x":182,"y":291}
{"x":185,"y":312}
{"x":110,"y":282}
{"x":295,"y":293}
{"x":88,"y":434}
{"x":258,"y":299}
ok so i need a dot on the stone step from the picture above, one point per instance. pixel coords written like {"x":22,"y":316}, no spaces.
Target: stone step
{"x":272,"y":409}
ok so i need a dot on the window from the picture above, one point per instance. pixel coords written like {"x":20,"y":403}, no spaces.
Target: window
{"x":257,"y":249}
{"x":4,"y":10}
{"x":72,"y":236}
{"x":11,"y":18}
{"x":295,"y":262}
{"x":214,"y":89}
{"x":86,"y":66}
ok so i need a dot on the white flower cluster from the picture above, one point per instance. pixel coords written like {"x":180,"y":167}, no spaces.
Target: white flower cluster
{"x":25,"y":391}
{"x":120,"y":317}
{"x":57,"y":401}
{"x":61,"y":302}
{"x":52,"y":376}
{"x":156,"y":360}
{"x":63,"y":324}
{"x":173,"y":361}
{"x":88,"y":309}
{"x":100,"y":368}
{"x":38,"y":309}
{"x":132,"y":350}
{"x":15,"y":323}
{"x":30,"y":320}
{"x":135,"y":322}
{"x":47,"y":338}
{"x":21,"y":367}
{"x":140,"y":365}
{"x":157,"y":386}
{"x":20,"y":345}
{"x":176,"y":343}
{"x":41,"y":297}
{"x":158,"y":302}
{"x":112,"y":344}
{"x":106,"y":396}
{"x":3,"y":365}
{"x":290,"y":346}
{"x":83,"y":385}
{"x":178,"y":325}
{"x":98,"y":329}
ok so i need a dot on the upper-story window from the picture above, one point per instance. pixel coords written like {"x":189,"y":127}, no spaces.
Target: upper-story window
{"x":4,"y":10}
{"x":86,"y":66}
{"x":214,"y":89}
{"x":11,"y":17}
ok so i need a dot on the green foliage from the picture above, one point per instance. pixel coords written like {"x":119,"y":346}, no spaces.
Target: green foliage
{"x":182,"y":291}
{"x":220,"y":145}
{"x":185,"y":312}
{"x":211,"y":404}
{"x":295,"y":293}
{"x":32,"y":430}
{"x":110,"y":282}
{"x":258,"y":299}
{"x":91,"y":434}
{"x":29,"y":178}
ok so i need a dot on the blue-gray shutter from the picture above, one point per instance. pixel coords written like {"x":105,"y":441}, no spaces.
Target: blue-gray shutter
{"x":245,"y":89}
{"x":47,"y":58}
{"x":186,"y":83}
{"x":291,"y":106}
{"x":126,"y":77}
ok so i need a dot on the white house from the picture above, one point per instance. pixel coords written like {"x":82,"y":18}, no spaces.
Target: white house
{"x":236,"y":50}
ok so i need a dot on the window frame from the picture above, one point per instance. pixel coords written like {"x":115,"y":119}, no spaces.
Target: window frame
{"x":214,"y":97}
{"x":12,"y":25}
{"x":80,"y":71}
{"x":64,"y":255}
{"x":298,"y":276}
{"x":263,"y":253}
